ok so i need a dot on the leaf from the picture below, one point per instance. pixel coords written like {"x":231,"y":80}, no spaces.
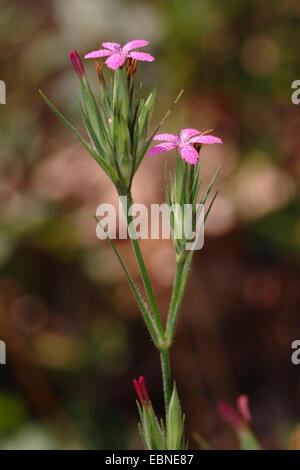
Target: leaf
{"x":210,"y":185}
{"x":248,"y":440}
{"x":110,"y":171}
{"x":201,"y":442}
{"x":167,"y":114}
{"x":144,"y":115}
{"x":93,"y":137}
{"x":94,"y":115}
{"x":145,"y":147}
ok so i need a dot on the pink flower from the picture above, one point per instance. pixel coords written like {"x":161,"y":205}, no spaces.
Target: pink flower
{"x":237,"y":419}
{"x":141,"y":391}
{"x":184,"y":142}
{"x":117,"y":54}
{"x":77,"y":64}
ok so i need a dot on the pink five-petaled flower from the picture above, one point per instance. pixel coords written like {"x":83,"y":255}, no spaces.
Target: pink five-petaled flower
{"x":184,"y":142}
{"x":141,"y":391}
{"x":117,"y":54}
{"x":237,"y":419}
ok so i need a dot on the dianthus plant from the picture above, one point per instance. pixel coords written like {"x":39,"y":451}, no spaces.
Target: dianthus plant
{"x":117,"y":122}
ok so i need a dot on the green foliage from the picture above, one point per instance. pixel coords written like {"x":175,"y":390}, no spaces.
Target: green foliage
{"x":248,"y":440}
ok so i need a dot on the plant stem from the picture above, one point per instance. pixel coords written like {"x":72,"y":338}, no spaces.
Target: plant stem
{"x":165,"y":337}
{"x":174,"y":305}
{"x":143,"y":307}
{"x":166,"y":376}
{"x":144,"y":274}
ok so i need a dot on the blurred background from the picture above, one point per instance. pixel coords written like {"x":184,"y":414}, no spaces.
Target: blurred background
{"x":74,"y":335}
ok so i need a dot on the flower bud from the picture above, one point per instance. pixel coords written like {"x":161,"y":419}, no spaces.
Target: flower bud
{"x":141,"y":391}
{"x":240,"y":420}
{"x":151,"y":431}
{"x":77,"y":64}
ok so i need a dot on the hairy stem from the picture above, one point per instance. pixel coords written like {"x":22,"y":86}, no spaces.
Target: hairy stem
{"x":166,"y":376}
{"x":174,"y":305}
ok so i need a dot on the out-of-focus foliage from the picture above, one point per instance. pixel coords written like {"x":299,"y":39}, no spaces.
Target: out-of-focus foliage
{"x":73,"y":333}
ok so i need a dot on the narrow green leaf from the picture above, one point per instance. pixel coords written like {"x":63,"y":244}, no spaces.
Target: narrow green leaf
{"x":110,"y":172}
{"x":145,"y":147}
{"x":248,"y":440}
{"x":210,"y":185}
{"x":201,"y":442}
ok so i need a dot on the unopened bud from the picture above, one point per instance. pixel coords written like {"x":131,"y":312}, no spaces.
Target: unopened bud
{"x":77,"y":64}
{"x":141,"y":391}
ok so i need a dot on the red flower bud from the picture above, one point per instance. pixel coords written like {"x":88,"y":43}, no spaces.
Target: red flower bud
{"x":237,"y":419}
{"x":77,"y":64}
{"x":230,"y":415}
{"x":141,"y":391}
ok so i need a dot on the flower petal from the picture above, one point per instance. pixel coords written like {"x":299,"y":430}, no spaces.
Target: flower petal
{"x":186,"y":134}
{"x":96,"y":54}
{"x":115,"y":61}
{"x":189,"y":154}
{"x":141,"y":56}
{"x":230,"y":415}
{"x":134,"y":45}
{"x":113,"y":46}
{"x":168,"y":137}
{"x":243,"y":408}
{"x":206,"y":139}
{"x":161,"y":148}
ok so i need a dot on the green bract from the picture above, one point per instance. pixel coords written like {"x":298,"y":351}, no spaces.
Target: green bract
{"x":157,"y":436}
{"x":175,"y":424}
{"x":182,"y":197}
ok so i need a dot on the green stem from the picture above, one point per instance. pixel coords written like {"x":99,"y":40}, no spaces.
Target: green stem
{"x":143,"y":307}
{"x":174,"y":305}
{"x":171,"y":322}
{"x":144,"y":274}
{"x":166,"y":376}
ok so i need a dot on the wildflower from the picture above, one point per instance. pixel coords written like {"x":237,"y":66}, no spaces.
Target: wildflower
{"x":77,"y":64}
{"x":184,"y":142}
{"x":240,"y":419}
{"x":141,"y":391}
{"x":237,"y":419}
{"x":117,"y":54}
